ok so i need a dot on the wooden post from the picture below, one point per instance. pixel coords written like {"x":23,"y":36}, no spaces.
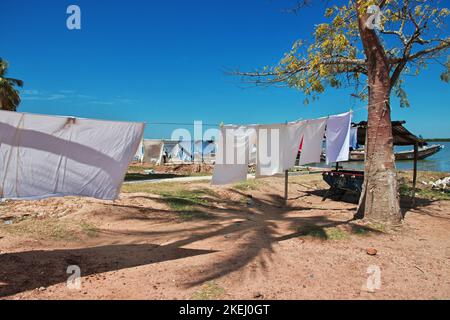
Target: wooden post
{"x":203,"y":156}
{"x":286,"y":186}
{"x":416,"y":155}
{"x":286,"y":183}
{"x":193,"y":152}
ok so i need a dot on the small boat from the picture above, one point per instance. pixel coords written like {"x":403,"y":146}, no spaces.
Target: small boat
{"x":341,"y":181}
{"x":425,"y":152}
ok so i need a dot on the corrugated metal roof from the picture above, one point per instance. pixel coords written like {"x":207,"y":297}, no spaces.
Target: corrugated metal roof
{"x":402,"y":137}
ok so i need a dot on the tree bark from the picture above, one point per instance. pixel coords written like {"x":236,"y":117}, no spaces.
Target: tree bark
{"x":379,"y":198}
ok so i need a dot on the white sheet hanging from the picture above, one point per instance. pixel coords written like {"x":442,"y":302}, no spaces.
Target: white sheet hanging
{"x":43,"y":156}
{"x":233,"y":152}
{"x":269,"y":149}
{"x":139,"y":156}
{"x":312,"y":141}
{"x":338,"y":137}
{"x":293,"y":137}
{"x":354,"y":138}
{"x":278,"y":147}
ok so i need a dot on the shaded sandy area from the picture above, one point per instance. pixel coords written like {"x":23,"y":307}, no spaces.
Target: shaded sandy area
{"x":193,"y":241}
{"x":176,"y":169}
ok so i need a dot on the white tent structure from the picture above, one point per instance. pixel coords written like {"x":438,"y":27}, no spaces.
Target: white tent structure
{"x":139,"y":156}
{"x":177,"y":152}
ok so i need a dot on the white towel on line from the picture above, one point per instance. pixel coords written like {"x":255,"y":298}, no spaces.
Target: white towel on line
{"x":233,"y":153}
{"x":312,"y":141}
{"x":278,"y":147}
{"x":338,"y":137}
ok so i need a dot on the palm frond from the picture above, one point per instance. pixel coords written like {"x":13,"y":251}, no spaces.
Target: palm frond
{"x":15,"y":82}
{"x":9,"y":96}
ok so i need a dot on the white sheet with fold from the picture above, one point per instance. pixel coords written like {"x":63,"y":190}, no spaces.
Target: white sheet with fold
{"x":338,"y":137}
{"x":274,"y":148}
{"x":233,"y":153}
{"x":313,"y":135}
{"x":44,"y":156}
{"x":278,"y":147}
{"x":354,"y":138}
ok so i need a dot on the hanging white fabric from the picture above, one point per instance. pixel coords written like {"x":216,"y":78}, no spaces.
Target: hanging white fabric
{"x":354,"y":138}
{"x":233,"y":153}
{"x":274,"y":148}
{"x":43,"y":156}
{"x":269,"y":160}
{"x":338,"y":137}
{"x":293,"y":137}
{"x":139,"y":156}
{"x":278,"y":147}
{"x":313,"y":135}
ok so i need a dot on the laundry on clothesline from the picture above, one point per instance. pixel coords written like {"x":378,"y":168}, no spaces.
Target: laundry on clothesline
{"x":233,"y":154}
{"x":312,"y":141}
{"x":338,"y":137}
{"x":46,"y":156}
{"x":354,"y":138}
{"x":139,"y":156}
{"x":269,"y":151}
{"x":275,"y":148}
{"x":278,"y":147}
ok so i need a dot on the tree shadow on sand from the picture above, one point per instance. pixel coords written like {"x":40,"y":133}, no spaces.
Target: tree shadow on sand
{"x":407,"y":203}
{"x":252,"y":230}
{"x":23,"y":271}
{"x":419,"y":205}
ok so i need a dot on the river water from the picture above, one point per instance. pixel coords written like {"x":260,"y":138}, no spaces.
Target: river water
{"x":437,"y":162}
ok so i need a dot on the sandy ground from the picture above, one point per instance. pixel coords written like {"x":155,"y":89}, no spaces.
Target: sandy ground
{"x":221,"y":243}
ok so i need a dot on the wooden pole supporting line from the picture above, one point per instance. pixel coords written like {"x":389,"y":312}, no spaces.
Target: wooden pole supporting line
{"x":286,"y":186}
{"x":286,"y":183}
{"x":416,"y":156}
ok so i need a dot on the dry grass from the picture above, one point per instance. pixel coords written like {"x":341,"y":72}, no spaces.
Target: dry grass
{"x":324,"y":233}
{"x":51,"y":229}
{"x":422,"y":190}
{"x":209,"y":291}
{"x":184,"y":199}
{"x":248,"y":185}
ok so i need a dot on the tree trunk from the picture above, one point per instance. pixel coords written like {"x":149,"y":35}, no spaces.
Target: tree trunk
{"x":379,"y":198}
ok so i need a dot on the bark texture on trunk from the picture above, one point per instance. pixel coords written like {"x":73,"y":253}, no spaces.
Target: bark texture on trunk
{"x":379,"y":199}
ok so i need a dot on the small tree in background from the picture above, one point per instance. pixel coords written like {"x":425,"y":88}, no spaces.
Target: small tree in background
{"x":368,"y":45}
{"x":9,"y":96}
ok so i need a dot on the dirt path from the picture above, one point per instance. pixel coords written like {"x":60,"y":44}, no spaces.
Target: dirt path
{"x":205,"y":178}
{"x":191,"y":241}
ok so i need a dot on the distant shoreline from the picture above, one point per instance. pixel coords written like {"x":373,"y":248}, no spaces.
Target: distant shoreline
{"x":438,"y":140}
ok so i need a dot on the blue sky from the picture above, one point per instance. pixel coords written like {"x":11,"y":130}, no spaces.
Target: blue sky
{"x":164,"y":61}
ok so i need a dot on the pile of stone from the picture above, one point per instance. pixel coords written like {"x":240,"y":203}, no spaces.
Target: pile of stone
{"x":440,"y":184}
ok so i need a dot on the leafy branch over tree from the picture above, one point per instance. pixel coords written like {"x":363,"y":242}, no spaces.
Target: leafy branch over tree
{"x":371,"y":53}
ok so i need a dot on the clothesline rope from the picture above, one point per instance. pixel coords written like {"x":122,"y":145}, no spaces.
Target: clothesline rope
{"x":279,"y":153}
{"x":368,"y":106}
{"x":181,"y":124}
{"x":219,"y":124}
